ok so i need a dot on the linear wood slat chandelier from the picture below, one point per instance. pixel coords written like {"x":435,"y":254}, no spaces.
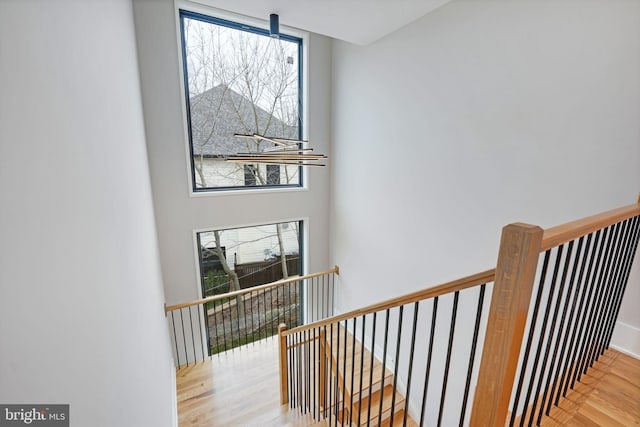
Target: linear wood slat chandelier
{"x":284,"y":152}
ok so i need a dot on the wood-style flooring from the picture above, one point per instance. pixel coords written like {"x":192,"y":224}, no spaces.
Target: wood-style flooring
{"x":241,"y":389}
{"x":609,"y":396}
{"x":236,"y":388}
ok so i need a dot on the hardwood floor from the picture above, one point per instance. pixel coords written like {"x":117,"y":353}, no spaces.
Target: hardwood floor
{"x":235,"y":389}
{"x":241,"y":389}
{"x":608,"y":397}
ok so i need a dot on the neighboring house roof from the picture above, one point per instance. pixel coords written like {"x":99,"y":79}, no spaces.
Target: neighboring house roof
{"x":220,"y":112}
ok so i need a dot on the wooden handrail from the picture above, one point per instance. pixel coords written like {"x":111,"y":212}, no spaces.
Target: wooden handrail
{"x":518,"y":257}
{"x":446,"y":288}
{"x":281,"y":282}
{"x":564,"y":233}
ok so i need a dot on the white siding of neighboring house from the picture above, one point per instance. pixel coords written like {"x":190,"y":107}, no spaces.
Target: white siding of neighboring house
{"x":218,"y":173}
{"x":264,"y":242}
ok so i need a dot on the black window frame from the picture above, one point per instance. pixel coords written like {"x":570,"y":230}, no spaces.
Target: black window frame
{"x":183,"y":13}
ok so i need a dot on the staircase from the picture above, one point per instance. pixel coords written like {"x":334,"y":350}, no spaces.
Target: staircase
{"x":367,"y":393}
{"x":327,"y":368}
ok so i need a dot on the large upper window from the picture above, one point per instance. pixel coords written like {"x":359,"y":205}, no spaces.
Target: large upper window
{"x":238,"y":80}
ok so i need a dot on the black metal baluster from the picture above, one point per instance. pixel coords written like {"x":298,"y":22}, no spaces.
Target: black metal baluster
{"x":278,"y":304}
{"x":308,"y":371}
{"x":331,"y":384}
{"x":447,"y":365}
{"x":532,"y":325}
{"x":184,"y":338}
{"x":589,"y":253}
{"x":333,"y":291}
{"x":314,"y":281}
{"x":397,"y":363}
{"x":344,"y":373}
{"x":564,"y":320}
{"x":292,"y":371}
{"x":299,"y":304}
{"x":625,"y":278}
{"x":588,"y":311}
{"x":554,"y":318}
{"x":353,"y":363}
{"x":605,"y":295}
{"x":472,"y":355}
{"x":373,"y":349}
{"x":271,"y":333}
{"x":266,"y":320}
{"x":314,"y":377}
{"x":434,"y":314}
{"x":325,"y":379}
{"x":300,"y":379}
{"x":200,"y":331}
{"x":248,"y":302}
{"x":595,"y":308}
{"x":290,"y":376}
{"x":612,"y":289}
{"x":244,"y":318}
{"x":233,"y":339}
{"x":337,"y":389}
{"x":384,"y":363}
{"x":288,"y":307}
{"x":324,"y":297}
{"x":215,"y":326}
{"x":364,"y":325}
{"x":543,"y":328}
{"x":193,"y":338}
{"x":175,"y":337}
{"x":629,"y":252}
{"x":416,"y":306}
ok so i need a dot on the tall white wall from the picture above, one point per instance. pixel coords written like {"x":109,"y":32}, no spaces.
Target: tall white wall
{"x":178,"y":214}
{"x":475,"y":116}
{"x":81,"y":316}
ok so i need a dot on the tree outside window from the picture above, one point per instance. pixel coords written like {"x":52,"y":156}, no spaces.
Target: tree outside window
{"x":239,"y":81}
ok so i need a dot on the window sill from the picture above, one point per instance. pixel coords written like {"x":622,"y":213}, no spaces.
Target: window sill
{"x":246,"y":191}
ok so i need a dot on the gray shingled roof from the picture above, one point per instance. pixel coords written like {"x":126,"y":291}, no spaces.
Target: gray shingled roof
{"x":220,"y":112}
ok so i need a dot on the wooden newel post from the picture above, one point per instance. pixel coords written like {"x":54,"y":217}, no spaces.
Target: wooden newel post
{"x":282,"y":357}
{"x":515,"y":274}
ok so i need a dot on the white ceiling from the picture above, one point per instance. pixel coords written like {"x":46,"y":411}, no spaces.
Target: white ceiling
{"x":356,"y":21}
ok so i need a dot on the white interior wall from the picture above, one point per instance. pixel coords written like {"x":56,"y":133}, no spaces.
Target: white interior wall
{"x":81,"y":295}
{"x":178,"y":214}
{"x":475,"y":116}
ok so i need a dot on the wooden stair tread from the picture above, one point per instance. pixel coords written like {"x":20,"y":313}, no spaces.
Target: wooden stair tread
{"x":387,"y":399}
{"x":360,"y":354}
{"x":344,"y":366}
{"x":398,"y":420}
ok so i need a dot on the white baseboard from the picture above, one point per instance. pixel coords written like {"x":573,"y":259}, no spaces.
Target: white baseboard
{"x":626,"y":339}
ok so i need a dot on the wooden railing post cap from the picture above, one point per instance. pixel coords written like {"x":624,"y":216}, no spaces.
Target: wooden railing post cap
{"x":281,"y":328}
{"x":522,"y":226}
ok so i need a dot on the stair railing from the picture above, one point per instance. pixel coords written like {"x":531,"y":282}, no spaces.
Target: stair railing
{"x":577,"y":273}
{"x":223,"y":322}
{"x":360,"y":367}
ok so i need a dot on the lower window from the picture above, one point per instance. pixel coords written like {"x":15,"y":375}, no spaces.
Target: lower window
{"x":242,"y":258}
